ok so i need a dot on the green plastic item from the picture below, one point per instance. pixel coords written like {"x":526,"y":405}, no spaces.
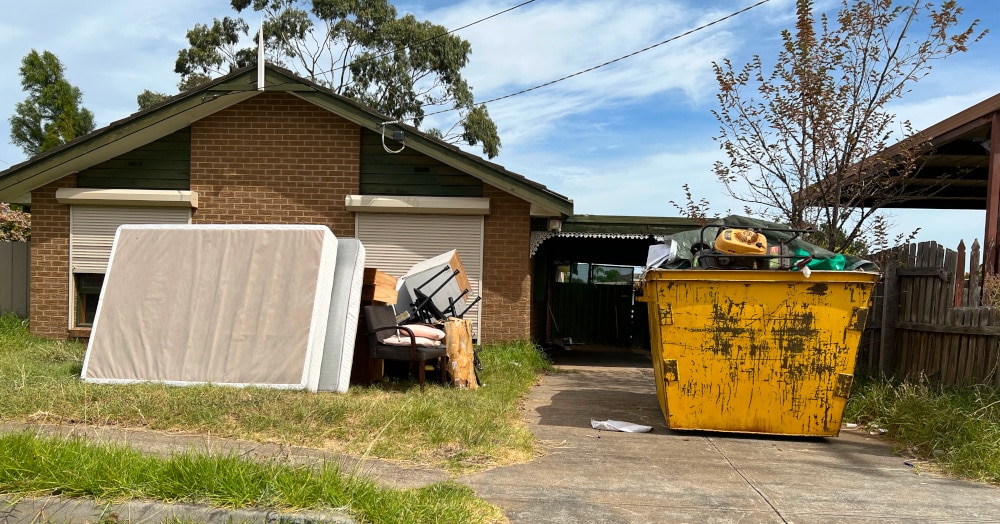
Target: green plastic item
{"x":837,"y":262}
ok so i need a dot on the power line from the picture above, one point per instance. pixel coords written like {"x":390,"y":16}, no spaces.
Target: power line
{"x":435,"y":37}
{"x":609,"y":62}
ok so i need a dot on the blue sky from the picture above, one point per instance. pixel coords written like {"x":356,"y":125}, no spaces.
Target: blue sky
{"x":620,"y":140}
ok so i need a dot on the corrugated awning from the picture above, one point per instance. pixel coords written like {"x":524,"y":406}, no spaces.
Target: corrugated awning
{"x":539,"y":237}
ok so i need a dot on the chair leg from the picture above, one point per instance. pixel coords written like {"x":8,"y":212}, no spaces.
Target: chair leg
{"x":443,"y":366}
{"x":421,"y":373}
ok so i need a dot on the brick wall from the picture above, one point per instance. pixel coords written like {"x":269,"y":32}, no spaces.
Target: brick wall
{"x":49,"y":304}
{"x":507,"y":272}
{"x":275,"y":159}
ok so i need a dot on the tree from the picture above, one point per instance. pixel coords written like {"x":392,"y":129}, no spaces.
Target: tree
{"x":147,"y":99}
{"x":401,"y":66}
{"x":798,"y":136}
{"x":51,"y":115}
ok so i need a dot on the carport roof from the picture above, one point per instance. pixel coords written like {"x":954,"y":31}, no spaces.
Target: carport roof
{"x":955,"y":170}
{"x":615,"y":227}
{"x":628,"y":226}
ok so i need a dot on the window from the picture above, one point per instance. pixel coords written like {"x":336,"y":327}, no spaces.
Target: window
{"x":88,"y":292}
{"x":585,"y":273}
{"x":606,"y":274}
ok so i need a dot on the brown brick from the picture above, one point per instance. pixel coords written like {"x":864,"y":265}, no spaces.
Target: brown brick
{"x":49,"y":309}
{"x":507,"y":272}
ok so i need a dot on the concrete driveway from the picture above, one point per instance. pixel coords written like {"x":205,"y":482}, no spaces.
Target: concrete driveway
{"x":671,"y":476}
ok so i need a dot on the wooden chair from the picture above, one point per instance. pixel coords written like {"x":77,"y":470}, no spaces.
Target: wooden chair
{"x":381,"y":324}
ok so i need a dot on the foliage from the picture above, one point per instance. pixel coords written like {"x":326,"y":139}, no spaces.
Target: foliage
{"x":957,"y":427}
{"x":51,"y":115}
{"x":401,"y":66}
{"x":148,"y":98}
{"x":15,"y":224}
{"x":457,"y":429}
{"x":73,"y":467}
{"x":799,"y":135}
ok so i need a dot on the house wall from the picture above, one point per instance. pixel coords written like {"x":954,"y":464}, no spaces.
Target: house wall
{"x":278,"y":159}
{"x":49,"y":282}
{"x":275,"y":159}
{"x":507,"y":270}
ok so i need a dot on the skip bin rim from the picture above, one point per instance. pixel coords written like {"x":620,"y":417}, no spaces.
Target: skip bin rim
{"x":760,"y":275}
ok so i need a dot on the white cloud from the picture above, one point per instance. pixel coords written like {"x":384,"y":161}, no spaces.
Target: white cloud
{"x":542,"y":42}
{"x":626,"y":184}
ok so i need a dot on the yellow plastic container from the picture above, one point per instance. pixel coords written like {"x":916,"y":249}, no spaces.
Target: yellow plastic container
{"x":756,"y":351}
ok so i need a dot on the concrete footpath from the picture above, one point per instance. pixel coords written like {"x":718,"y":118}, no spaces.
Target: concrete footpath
{"x":671,"y":476}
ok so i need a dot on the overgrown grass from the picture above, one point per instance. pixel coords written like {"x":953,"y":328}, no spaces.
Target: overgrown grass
{"x":30,"y":464}
{"x":957,"y":427}
{"x":461,"y":430}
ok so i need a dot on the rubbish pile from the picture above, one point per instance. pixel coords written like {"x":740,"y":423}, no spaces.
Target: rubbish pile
{"x":748,"y":244}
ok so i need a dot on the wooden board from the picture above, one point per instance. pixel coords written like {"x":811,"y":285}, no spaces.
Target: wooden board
{"x":378,"y":287}
{"x":458,"y":339}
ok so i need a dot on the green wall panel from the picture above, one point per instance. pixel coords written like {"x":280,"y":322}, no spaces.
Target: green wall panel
{"x":163,"y":164}
{"x":409,"y":173}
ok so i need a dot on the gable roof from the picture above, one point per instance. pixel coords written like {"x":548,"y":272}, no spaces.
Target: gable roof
{"x":181,"y":110}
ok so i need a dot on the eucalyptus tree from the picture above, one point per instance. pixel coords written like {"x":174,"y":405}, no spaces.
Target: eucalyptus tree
{"x":362,"y":49}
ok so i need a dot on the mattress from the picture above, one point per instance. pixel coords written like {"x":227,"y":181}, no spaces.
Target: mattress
{"x":342,"y":326}
{"x":236,"y":305}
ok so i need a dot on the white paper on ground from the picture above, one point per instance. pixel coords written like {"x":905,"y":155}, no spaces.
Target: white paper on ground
{"x":617,"y":425}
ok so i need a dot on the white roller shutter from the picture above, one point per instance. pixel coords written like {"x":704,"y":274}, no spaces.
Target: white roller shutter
{"x":395,"y":242}
{"x":92,"y":231}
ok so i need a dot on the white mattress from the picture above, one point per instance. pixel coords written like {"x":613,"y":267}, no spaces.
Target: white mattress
{"x":225,"y":304}
{"x":342,"y":326}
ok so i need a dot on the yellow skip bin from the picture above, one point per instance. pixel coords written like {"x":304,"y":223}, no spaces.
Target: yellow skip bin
{"x":756,"y":351}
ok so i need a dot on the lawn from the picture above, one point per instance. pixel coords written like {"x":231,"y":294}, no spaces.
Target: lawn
{"x":453,"y":429}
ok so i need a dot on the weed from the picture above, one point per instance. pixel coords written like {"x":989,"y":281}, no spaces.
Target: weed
{"x":958,"y":427}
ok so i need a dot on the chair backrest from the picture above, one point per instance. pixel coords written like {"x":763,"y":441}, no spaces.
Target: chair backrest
{"x":378,"y":317}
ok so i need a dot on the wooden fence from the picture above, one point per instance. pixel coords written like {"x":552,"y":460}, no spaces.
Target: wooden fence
{"x":14,"y":278}
{"x":931,"y":316}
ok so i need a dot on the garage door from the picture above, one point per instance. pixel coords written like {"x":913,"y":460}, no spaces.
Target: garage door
{"x":395,"y":242}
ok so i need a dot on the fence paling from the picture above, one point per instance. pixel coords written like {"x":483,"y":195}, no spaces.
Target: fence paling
{"x":931,"y":319}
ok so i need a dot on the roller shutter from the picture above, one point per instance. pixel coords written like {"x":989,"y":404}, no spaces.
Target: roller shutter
{"x":395,"y":242}
{"x":92,"y":231}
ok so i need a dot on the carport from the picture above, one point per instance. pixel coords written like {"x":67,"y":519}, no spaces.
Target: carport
{"x":959,"y":159}
{"x":583,"y":278}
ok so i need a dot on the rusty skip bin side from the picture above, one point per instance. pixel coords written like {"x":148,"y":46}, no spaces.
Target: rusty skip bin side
{"x":756,"y":351}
